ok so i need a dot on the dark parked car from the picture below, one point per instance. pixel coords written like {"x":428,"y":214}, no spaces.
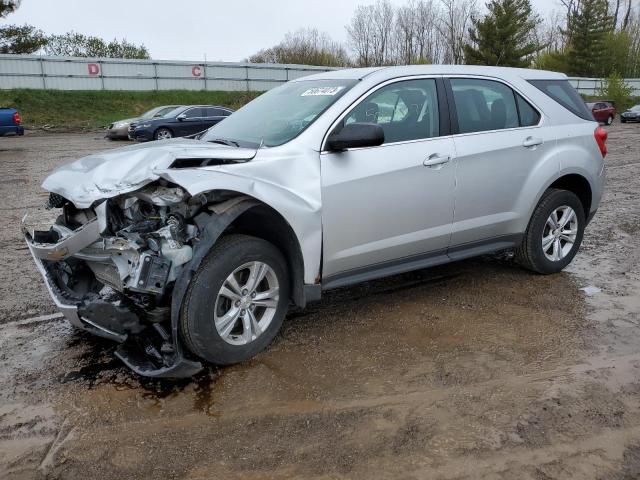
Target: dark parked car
{"x":120,"y":129}
{"x":603,"y":111}
{"x":180,"y":122}
{"x":631,"y":115}
{"x":10,"y":122}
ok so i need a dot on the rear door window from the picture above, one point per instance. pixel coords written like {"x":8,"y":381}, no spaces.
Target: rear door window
{"x":194,"y":113}
{"x":562,"y":92}
{"x":483,"y":105}
{"x":216,"y":112}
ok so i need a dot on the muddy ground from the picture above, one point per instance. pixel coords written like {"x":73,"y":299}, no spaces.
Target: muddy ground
{"x":476,"y":369}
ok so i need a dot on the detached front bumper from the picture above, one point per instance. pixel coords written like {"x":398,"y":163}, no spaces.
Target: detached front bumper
{"x":96,"y":315}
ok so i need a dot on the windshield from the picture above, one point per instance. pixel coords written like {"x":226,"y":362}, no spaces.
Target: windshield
{"x":171,"y":112}
{"x":279,"y":115}
{"x":635,"y":108}
{"x":157,"y":112}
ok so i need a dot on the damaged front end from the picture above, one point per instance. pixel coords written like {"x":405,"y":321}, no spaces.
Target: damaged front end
{"x":112,"y":268}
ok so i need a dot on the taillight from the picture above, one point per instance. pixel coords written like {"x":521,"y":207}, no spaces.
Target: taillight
{"x":601,"y":137}
{"x":16,"y":118}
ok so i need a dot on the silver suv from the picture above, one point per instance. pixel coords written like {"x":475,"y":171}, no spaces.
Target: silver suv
{"x":193,"y":249}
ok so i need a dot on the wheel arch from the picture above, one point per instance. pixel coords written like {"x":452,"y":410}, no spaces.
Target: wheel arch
{"x":577,"y":184}
{"x":263,"y":221}
{"x":173,"y":133}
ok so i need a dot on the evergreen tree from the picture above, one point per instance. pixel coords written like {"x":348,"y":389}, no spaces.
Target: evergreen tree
{"x":504,"y":36}
{"x":588,"y":29}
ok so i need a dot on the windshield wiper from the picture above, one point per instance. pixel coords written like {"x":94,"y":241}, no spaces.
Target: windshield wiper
{"x":224,"y":141}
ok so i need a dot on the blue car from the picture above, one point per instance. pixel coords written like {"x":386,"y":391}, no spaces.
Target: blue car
{"x":10,"y":122}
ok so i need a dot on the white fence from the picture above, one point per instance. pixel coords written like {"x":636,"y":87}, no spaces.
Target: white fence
{"x":591,"y":86}
{"x":75,"y":73}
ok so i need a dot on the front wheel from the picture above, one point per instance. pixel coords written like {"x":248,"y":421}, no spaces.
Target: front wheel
{"x":236,"y":301}
{"x":163,"y":134}
{"x":554,"y":234}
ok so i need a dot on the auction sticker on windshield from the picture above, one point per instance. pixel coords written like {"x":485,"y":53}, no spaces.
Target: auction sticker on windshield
{"x":321,"y":91}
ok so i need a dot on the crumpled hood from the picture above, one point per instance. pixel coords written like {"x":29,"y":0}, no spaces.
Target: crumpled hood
{"x":111,"y":173}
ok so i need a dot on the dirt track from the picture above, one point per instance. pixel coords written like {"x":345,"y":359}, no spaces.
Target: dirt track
{"x":472,"y":370}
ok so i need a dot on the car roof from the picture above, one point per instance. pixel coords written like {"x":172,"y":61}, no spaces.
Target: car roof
{"x":406,"y":70}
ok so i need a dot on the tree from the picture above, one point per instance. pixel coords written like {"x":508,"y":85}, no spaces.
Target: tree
{"x":417,"y":39}
{"x":588,"y":25}
{"x":15,"y":38}
{"x":74,"y":44}
{"x":454,"y":28}
{"x":616,"y":90}
{"x":307,"y":47}
{"x":23,"y":39}
{"x":371,"y":34}
{"x":505,"y":36}
{"x":8,"y":6}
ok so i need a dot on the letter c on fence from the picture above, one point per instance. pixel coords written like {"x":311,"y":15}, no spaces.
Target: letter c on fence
{"x":196,"y":71}
{"x":94,"y":68}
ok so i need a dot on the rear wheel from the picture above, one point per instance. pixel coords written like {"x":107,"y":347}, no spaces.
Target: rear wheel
{"x":236,"y":301}
{"x":554,"y":234}
{"x":163,"y":134}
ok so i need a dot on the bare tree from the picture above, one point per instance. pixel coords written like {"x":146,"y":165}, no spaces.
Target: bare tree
{"x":305,"y":46}
{"x":548,"y":33}
{"x":454,"y":28}
{"x":417,"y":38}
{"x":370,"y":34}
{"x":429,"y":41}
{"x":406,"y":26}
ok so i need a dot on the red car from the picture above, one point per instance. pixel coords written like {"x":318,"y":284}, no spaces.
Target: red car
{"x":603,"y":111}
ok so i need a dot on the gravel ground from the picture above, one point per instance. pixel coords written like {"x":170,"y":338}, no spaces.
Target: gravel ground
{"x":476,"y":369}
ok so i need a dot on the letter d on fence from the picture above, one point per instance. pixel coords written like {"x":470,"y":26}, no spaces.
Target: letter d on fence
{"x":94,"y":68}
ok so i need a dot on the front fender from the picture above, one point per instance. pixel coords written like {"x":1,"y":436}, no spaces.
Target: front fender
{"x":298,"y":202}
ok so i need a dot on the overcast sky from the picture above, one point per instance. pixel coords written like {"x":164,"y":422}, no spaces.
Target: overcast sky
{"x":228,"y":30}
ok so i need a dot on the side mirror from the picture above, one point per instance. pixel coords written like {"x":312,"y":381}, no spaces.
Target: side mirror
{"x":181,"y":117}
{"x":355,"y":135}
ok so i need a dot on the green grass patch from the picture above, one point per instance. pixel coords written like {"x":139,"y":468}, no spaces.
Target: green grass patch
{"x":80,"y":110}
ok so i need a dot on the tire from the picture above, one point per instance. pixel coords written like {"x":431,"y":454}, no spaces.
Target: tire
{"x":609,"y":120}
{"x":163,"y":134}
{"x":531,"y":253}
{"x":205,"y":306}
{"x":622,"y":120}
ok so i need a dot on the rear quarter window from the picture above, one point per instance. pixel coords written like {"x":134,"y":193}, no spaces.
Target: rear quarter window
{"x":563,"y":93}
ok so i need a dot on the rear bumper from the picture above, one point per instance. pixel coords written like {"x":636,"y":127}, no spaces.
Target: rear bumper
{"x":11,"y":130}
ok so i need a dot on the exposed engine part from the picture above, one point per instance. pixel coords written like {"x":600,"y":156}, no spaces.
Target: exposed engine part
{"x":152,"y":274}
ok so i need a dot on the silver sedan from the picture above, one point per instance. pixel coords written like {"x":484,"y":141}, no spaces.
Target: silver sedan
{"x":120,"y":128}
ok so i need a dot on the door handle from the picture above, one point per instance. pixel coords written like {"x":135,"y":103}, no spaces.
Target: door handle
{"x":531,"y":142}
{"x":436,"y":159}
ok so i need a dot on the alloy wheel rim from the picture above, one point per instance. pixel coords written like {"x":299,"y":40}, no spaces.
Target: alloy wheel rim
{"x":246,"y":303}
{"x":559,"y":233}
{"x":164,"y":134}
